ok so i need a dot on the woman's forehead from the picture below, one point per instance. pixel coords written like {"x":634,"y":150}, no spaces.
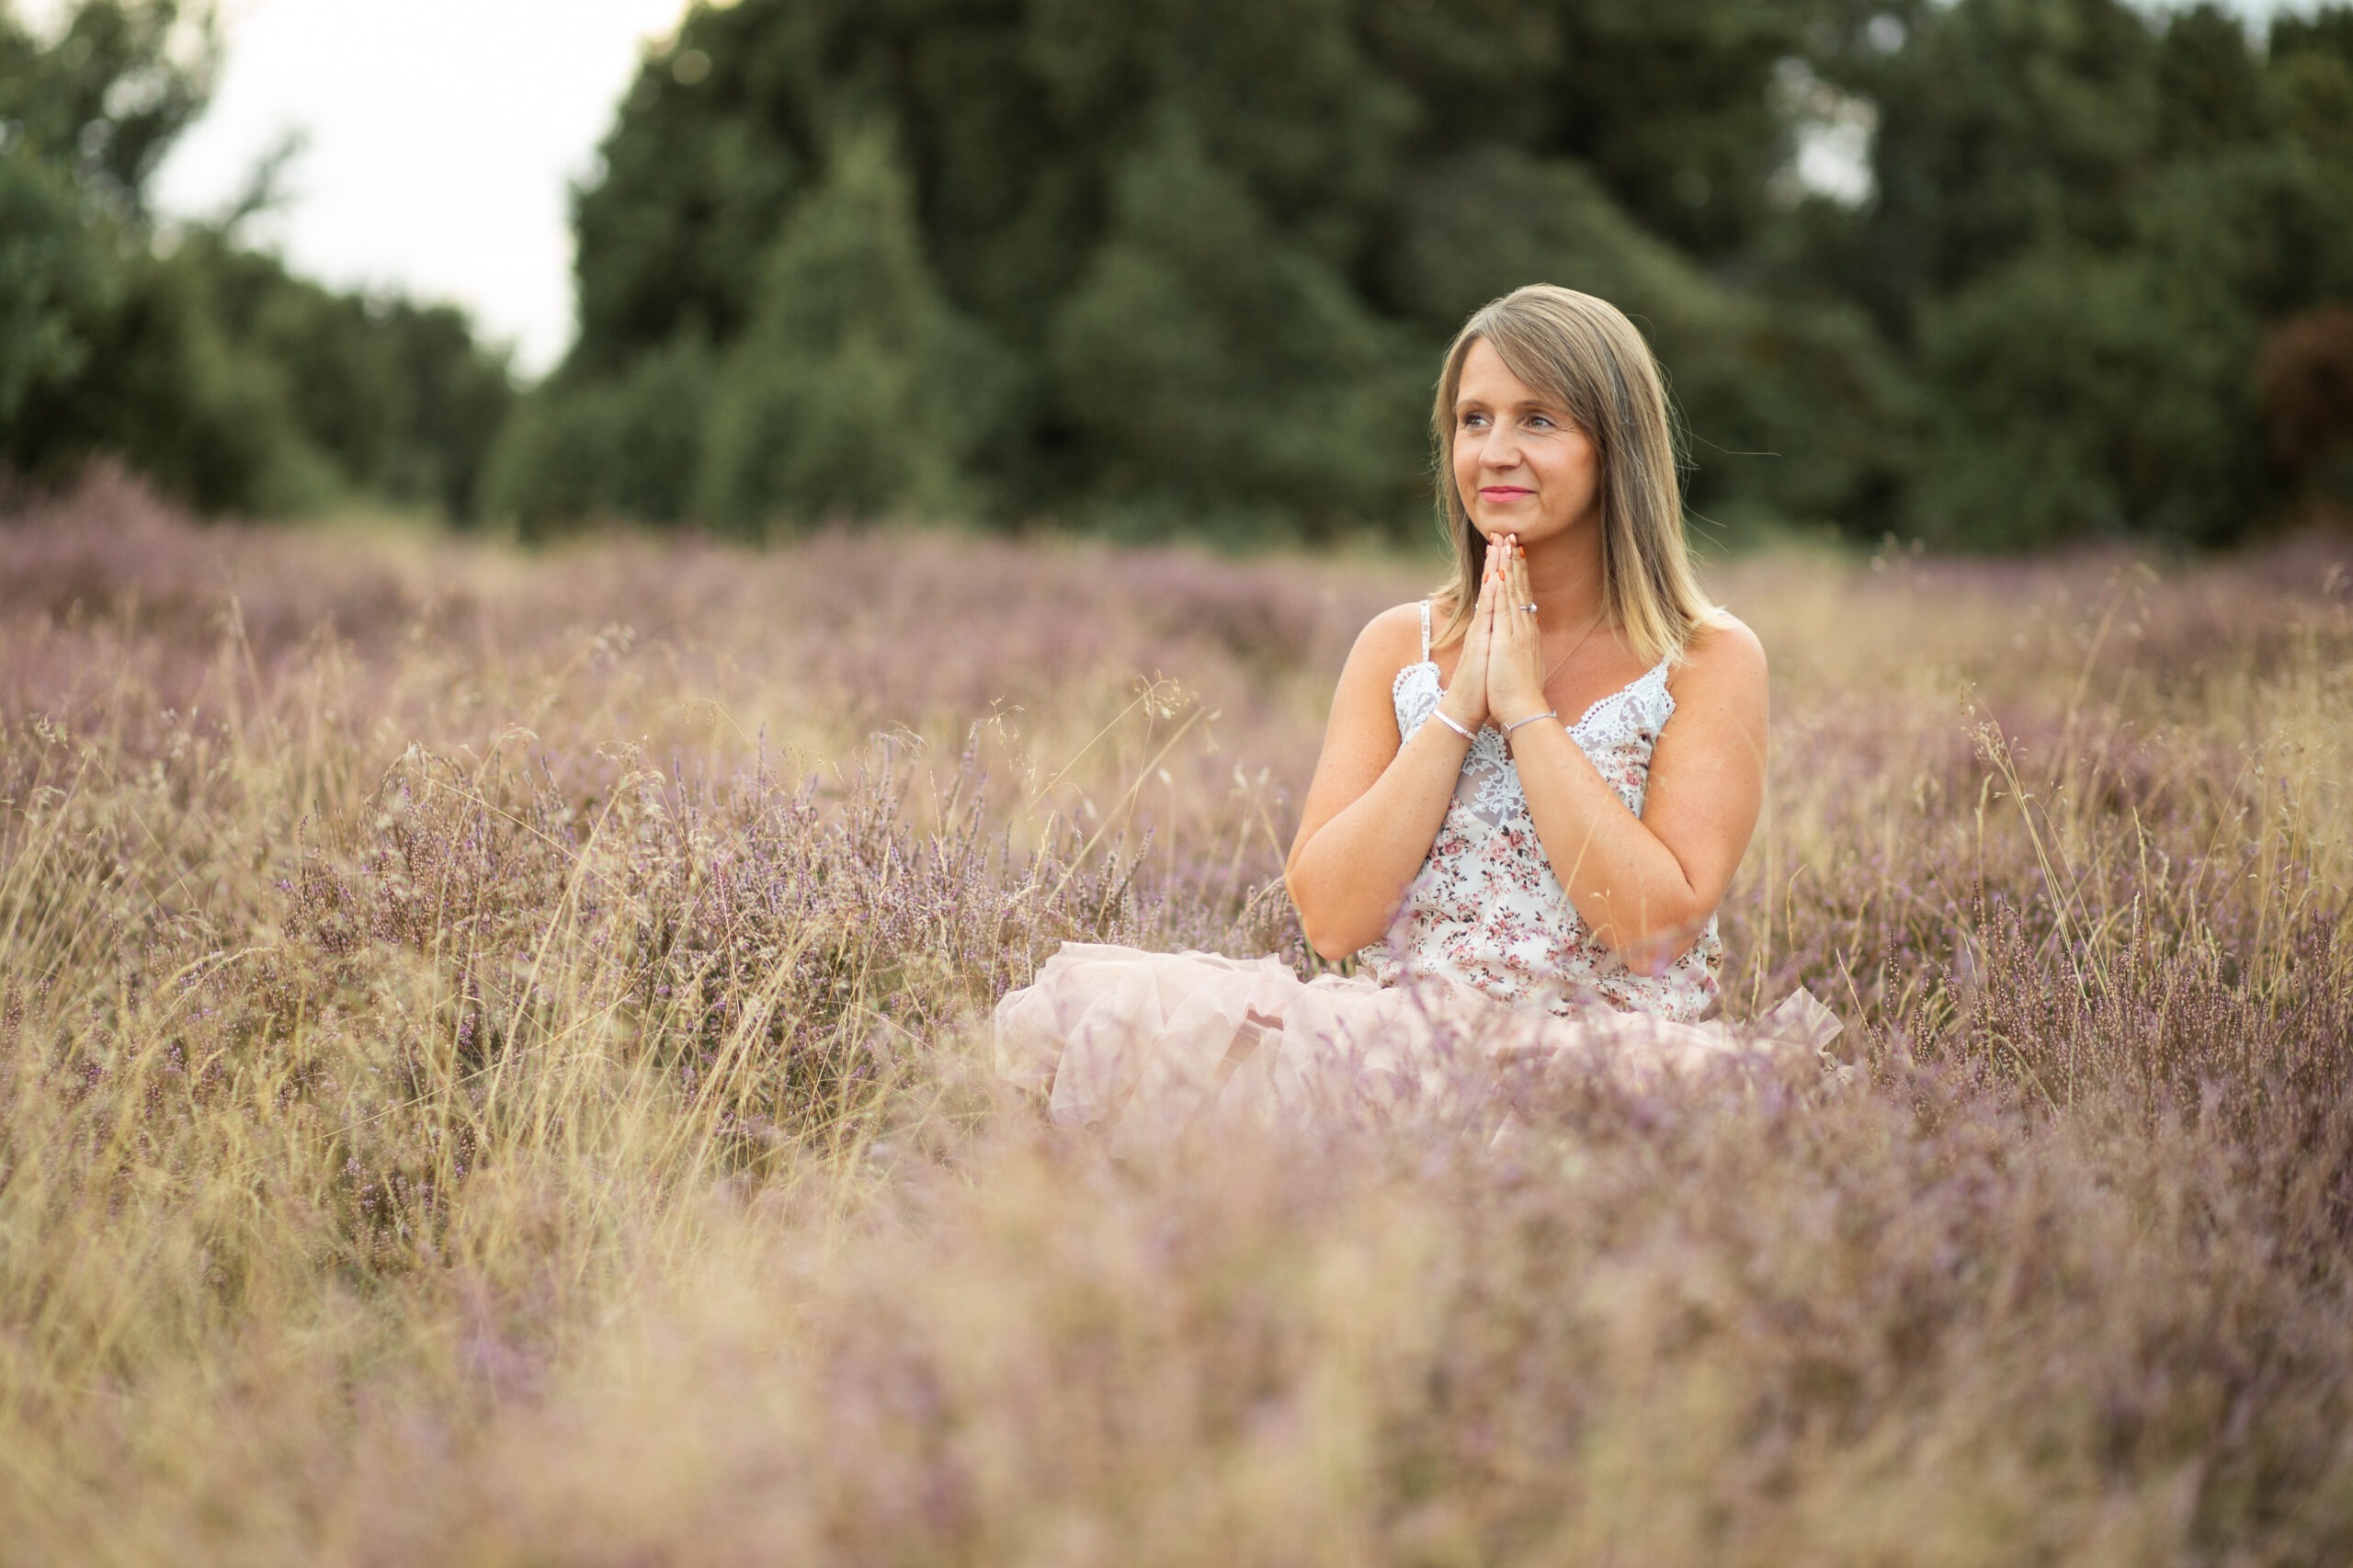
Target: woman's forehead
{"x":1486,"y":379}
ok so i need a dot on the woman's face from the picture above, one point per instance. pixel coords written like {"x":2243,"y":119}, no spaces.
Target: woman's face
{"x":1522,"y":467}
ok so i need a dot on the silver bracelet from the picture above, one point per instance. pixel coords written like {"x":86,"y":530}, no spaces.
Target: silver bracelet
{"x":1548,"y":713}
{"x":1453,"y":725}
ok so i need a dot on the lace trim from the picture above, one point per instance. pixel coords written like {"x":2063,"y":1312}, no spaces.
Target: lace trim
{"x":1486,"y":910}
{"x":1642,"y":704}
{"x":1415,"y":700}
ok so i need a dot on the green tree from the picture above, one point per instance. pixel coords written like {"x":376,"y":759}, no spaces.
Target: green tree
{"x":1213,"y":250}
{"x":208,"y":367}
{"x":855,"y":387}
{"x":1210,"y":362}
{"x":105,"y":98}
{"x":625,"y":446}
{"x":56,"y":275}
{"x":1180,"y":223}
{"x":2004,"y":125}
{"x":2079,"y":393}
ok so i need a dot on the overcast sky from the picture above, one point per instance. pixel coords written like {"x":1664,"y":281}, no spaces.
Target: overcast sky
{"x":443,"y":137}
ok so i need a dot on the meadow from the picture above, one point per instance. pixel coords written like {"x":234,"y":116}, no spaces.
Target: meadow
{"x":495,"y":1069}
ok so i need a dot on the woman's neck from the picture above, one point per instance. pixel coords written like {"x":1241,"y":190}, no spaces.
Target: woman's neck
{"x":1564,"y":572}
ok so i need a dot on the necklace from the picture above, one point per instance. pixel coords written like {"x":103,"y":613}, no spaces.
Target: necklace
{"x":1564,"y":658}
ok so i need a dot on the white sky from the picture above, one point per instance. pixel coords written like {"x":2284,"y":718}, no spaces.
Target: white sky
{"x":444,"y":135}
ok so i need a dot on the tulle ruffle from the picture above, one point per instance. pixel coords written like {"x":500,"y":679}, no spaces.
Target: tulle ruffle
{"x":1151,"y":1042}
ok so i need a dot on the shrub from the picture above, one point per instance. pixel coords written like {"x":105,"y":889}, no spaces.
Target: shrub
{"x":2307,"y":389}
{"x":855,"y":389}
{"x":627,"y":447}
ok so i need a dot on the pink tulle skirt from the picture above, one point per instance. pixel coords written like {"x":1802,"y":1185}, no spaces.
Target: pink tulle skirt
{"x":1151,"y":1042}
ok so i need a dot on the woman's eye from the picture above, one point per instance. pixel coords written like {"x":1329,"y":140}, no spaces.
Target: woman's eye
{"x":1541,"y":419}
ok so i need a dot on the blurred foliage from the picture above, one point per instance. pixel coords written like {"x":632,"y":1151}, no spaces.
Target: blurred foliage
{"x":198,"y":360}
{"x":2307,"y":391}
{"x":2087,"y":220}
{"x":626,"y":444}
{"x":1991,"y":273}
{"x":1190,"y":267}
{"x":1195,"y":250}
{"x":849,"y":340}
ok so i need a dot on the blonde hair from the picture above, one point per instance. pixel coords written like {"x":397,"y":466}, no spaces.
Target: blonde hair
{"x":1584,"y":354}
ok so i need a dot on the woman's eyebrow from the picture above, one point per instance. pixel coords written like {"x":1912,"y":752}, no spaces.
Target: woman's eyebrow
{"x":1541,"y":404}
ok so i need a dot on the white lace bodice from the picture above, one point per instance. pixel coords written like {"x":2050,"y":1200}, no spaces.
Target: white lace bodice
{"x":1486,"y":910}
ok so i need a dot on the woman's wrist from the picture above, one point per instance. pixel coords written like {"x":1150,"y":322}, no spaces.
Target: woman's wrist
{"x":1448,"y":723}
{"x":1462,"y":711}
{"x":1511,"y":716}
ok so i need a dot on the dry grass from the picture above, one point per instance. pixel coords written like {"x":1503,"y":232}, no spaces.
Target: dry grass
{"x":492,"y":1069}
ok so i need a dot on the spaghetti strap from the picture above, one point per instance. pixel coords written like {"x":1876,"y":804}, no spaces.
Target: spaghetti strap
{"x":1425,"y":631}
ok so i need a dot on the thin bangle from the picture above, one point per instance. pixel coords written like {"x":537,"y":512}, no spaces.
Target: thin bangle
{"x":1451,"y":724}
{"x":1548,"y":713}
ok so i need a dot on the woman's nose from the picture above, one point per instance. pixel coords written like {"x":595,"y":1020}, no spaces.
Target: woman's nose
{"x":1501,"y":450}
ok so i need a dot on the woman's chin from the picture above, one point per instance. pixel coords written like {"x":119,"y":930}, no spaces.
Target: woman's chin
{"x":1528,"y":528}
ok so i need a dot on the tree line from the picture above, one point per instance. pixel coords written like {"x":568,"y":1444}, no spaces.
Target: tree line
{"x":1990,"y":273}
{"x":195,"y":359}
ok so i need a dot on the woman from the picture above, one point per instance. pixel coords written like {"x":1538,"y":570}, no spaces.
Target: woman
{"x":1513,"y":880}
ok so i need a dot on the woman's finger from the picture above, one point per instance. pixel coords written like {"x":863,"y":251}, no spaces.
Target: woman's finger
{"x":1487,"y":613}
{"x":1478,"y":609}
{"x":1508,"y":597}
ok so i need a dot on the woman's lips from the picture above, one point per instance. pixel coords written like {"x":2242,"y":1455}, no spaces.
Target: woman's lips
{"x":1503,"y":491}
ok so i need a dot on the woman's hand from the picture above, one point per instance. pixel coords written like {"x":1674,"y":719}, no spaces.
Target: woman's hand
{"x":1515,"y":646}
{"x":1465,"y":700}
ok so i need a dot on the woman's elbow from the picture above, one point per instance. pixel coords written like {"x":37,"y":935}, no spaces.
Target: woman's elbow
{"x":1649,"y":943}
{"x":1329,"y":944}
{"x":1332,"y":939}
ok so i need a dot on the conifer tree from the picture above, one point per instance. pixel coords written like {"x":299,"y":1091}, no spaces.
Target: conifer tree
{"x":855,"y":389}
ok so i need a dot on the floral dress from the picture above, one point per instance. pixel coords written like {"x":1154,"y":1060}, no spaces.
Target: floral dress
{"x":1486,"y":910}
{"x":1487,"y":949}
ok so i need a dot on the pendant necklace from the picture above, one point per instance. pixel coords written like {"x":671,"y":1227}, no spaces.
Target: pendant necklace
{"x":1572,"y":654}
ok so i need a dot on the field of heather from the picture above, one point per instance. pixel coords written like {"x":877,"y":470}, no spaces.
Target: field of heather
{"x":493,"y":1068}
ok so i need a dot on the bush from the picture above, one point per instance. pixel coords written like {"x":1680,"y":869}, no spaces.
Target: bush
{"x":856,"y":388}
{"x":158,"y":383}
{"x":1208,"y":362}
{"x":2075,"y":394}
{"x":627,"y":447}
{"x":54,"y":277}
{"x":2307,"y":378}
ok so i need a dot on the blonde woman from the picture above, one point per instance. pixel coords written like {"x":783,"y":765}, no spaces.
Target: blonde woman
{"x":1534,"y":790}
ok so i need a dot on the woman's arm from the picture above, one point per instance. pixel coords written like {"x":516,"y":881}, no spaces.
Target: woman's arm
{"x":1646,"y":885}
{"x":1375,"y":803}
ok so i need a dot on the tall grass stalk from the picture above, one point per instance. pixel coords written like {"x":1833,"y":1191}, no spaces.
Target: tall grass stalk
{"x":494,"y":1067}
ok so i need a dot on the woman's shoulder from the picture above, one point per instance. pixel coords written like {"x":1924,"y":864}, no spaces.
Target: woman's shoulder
{"x":1724,"y":656}
{"x":1390,"y":642}
{"x":1393,"y":639}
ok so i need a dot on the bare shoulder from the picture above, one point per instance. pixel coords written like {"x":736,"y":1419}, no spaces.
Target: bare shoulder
{"x":1389,"y":642}
{"x":1724,"y":662}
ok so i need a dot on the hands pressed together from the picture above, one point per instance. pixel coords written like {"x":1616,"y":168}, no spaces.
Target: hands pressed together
{"x":1500,"y":678}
